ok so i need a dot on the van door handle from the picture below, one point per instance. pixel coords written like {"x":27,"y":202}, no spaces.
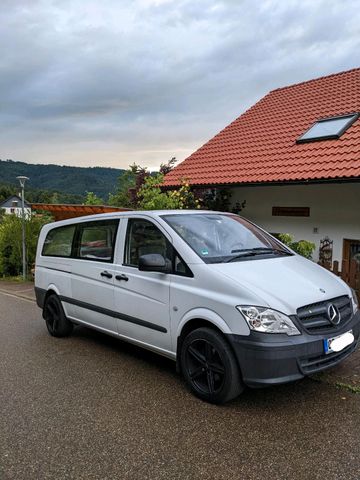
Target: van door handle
{"x":122,"y":277}
{"x":106,"y":274}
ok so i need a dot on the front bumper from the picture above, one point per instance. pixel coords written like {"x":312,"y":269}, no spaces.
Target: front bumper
{"x":270,"y":359}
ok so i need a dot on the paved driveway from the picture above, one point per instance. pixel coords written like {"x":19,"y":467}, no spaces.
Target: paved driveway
{"x":92,"y":407}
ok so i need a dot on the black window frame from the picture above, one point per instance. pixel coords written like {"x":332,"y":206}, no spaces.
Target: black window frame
{"x":174,"y":253}
{"x":352,"y":118}
{"x":76,"y":240}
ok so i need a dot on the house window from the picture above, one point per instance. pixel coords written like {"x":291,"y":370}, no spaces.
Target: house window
{"x":328,"y":128}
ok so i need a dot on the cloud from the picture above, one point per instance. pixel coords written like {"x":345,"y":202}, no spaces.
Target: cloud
{"x":112,"y":82}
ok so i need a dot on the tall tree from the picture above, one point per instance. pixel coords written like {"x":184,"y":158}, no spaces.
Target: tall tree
{"x":92,"y":199}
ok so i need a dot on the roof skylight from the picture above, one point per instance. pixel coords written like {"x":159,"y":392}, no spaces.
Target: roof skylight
{"x":328,"y":128}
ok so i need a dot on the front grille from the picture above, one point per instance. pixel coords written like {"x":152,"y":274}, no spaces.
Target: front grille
{"x":314,"y":317}
{"x":315,"y":364}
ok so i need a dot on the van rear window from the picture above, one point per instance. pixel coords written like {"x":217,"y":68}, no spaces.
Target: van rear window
{"x":58,"y":242}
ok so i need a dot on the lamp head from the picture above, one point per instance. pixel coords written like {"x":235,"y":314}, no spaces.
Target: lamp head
{"x":22,"y":180}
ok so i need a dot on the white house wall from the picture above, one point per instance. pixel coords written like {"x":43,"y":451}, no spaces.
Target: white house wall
{"x":334,"y":211}
{"x":17,"y":211}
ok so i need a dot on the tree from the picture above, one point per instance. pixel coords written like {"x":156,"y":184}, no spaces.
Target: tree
{"x":92,"y":199}
{"x":138,"y":188}
{"x":126,"y":182}
{"x":152,"y":197}
{"x":6,"y":191}
{"x":11,"y":242}
{"x":166,"y":168}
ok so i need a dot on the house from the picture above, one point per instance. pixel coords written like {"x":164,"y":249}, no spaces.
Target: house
{"x":12,"y":205}
{"x":294,"y":157}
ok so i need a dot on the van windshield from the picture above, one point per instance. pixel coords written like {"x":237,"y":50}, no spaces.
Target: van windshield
{"x":220,"y":238}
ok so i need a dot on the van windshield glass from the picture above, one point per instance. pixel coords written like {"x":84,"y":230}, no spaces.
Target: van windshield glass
{"x":219,"y":238}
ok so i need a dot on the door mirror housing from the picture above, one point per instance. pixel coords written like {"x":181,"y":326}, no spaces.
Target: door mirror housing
{"x":154,"y":262}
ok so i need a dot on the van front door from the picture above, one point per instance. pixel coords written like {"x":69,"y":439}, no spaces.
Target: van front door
{"x":142,"y":298}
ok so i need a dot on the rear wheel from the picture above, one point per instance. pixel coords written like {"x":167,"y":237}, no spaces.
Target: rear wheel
{"x":57,"y":323}
{"x":209,"y":366}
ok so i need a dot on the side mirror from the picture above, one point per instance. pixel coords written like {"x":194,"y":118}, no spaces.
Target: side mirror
{"x":154,"y":262}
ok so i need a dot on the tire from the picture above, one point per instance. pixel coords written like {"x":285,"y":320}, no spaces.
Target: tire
{"x":57,"y":324}
{"x":209,"y":366}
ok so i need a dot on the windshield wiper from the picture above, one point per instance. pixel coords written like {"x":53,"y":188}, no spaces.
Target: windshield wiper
{"x":251,"y":252}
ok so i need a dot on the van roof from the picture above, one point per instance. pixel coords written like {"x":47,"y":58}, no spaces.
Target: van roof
{"x":149,"y":213}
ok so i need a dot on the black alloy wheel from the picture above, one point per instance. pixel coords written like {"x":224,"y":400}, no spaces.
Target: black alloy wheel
{"x":205,"y":367}
{"x":209,"y":366}
{"x":57,"y":324}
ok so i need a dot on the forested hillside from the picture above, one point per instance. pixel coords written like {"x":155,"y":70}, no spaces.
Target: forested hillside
{"x":64,"y":179}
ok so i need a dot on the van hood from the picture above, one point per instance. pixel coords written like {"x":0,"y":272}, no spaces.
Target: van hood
{"x":283,"y":283}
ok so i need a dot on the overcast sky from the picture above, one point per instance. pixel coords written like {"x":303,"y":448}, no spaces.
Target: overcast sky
{"x":111,"y":82}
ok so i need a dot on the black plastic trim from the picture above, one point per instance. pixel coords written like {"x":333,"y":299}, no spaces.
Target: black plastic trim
{"x":40,"y":294}
{"x":111,"y":313}
{"x":269,"y":359}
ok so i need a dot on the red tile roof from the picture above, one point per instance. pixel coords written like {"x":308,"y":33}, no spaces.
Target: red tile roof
{"x":260,"y":145}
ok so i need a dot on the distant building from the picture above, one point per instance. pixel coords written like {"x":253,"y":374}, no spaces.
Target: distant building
{"x":12,"y":206}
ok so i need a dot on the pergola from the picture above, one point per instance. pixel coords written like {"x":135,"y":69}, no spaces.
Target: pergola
{"x":64,"y":211}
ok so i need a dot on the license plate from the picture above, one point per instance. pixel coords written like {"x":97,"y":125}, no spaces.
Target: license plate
{"x":336,"y":344}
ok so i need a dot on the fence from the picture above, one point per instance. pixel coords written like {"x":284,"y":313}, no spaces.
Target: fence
{"x":350,"y":273}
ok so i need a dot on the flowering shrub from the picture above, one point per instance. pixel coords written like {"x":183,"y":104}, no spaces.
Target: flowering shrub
{"x":151,"y":197}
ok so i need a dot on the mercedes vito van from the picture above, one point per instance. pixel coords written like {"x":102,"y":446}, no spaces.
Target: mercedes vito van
{"x":230,"y":303}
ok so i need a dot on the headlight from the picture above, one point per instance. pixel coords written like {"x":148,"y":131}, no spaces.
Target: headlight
{"x":355,"y":300}
{"x":265,"y":320}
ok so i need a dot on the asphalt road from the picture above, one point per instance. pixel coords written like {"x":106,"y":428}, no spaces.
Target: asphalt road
{"x":92,"y":407}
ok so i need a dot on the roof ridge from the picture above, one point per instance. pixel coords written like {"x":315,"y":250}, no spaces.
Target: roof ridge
{"x":316,"y":79}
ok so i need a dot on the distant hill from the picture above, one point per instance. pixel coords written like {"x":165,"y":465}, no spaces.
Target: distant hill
{"x":72,"y":180}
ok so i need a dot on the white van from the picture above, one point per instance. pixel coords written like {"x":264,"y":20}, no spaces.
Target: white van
{"x":230,"y":303}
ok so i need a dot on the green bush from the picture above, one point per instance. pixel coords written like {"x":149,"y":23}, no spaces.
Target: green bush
{"x":11,"y":242}
{"x":151,"y":197}
{"x":302,"y":247}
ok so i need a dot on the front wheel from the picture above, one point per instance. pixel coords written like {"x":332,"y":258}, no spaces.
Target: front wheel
{"x":57,"y":323}
{"x":209,"y":366}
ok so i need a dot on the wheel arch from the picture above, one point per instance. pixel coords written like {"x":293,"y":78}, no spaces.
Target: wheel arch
{"x":197,"y":319}
{"x":51,"y":290}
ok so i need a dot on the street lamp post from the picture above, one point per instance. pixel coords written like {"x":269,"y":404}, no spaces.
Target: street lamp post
{"x":22,"y":181}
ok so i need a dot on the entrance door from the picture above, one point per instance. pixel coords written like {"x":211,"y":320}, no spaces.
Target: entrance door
{"x":351,"y":251}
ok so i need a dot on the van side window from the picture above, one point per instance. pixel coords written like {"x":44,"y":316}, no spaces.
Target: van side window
{"x":58,"y":242}
{"x":142,"y":238}
{"x":96,"y":240}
